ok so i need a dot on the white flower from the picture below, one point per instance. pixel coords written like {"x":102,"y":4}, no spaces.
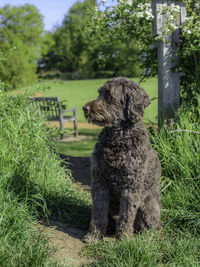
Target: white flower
{"x":197,"y":5}
{"x":129,"y":2}
{"x":140,"y":14}
{"x":174,"y":26}
{"x":100,"y":55}
{"x":141,"y":6}
{"x":175,"y":8}
{"x":149,"y":15}
{"x":147,"y":5}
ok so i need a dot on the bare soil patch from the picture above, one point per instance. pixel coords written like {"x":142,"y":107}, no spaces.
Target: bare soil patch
{"x":66,"y":239}
{"x":81,"y":125}
{"x":67,"y":242}
{"x":35,"y":95}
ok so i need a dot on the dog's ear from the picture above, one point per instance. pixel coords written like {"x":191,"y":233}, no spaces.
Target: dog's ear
{"x":136,"y":102}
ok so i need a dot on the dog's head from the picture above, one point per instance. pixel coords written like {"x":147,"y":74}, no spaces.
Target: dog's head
{"x":120,"y":99}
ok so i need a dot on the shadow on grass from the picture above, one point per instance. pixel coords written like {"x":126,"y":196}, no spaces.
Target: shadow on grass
{"x":70,"y":205}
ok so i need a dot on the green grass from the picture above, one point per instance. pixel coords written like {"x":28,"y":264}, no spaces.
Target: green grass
{"x":177,"y":244}
{"x":148,"y":249}
{"x":33,"y":186}
{"x":78,"y":93}
{"x":82,"y":148}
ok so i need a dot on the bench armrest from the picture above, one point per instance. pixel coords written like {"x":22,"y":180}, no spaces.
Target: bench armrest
{"x":69,"y":110}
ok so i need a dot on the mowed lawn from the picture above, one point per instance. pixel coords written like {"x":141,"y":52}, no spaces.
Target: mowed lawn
{"x":78,"y":92}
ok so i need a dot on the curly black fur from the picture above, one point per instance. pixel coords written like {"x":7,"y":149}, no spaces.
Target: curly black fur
{"x":125,"y":169}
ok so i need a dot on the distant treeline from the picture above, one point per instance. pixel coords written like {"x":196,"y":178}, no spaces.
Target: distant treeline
{"x":69,"y":51}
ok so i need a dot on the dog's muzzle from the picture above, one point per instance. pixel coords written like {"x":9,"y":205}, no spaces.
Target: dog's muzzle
{"x":95,"y":111}
{"x":87,"y":112}
{"x":86,"y":109}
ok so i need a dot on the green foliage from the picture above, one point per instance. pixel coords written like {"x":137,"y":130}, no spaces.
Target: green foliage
{"x":190,"y":54}
{"x":70,"y":42}
{"x":21,"y":244}
{"x":77,"y":52}
{"x":33,"y":186}
{"x":127,"y":20}
{"x":20,"y":39}
{"x":20,"y":189}
{"x":178,"y":147}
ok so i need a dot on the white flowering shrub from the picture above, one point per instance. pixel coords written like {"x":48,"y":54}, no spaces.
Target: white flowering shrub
{"x":133,"y":19}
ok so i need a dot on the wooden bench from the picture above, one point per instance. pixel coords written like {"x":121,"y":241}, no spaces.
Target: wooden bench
{"x":52,"y":110}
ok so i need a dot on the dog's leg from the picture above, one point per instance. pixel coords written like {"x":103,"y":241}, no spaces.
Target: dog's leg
{"x":113,"y":213}
{"x":151,"y":213}
{"x":129,"y":203}
{"x":99,"y":219}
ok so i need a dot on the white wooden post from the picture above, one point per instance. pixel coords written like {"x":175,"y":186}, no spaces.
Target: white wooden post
{"x":168,"y":81}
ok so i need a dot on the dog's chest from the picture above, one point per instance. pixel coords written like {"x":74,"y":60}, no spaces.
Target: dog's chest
{"x":114,"y":162}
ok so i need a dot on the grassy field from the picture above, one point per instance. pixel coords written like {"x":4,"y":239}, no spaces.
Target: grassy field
{"x":34,"y":186}
{"x":77,"y":93}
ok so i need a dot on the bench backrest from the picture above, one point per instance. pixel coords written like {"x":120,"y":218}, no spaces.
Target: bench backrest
{"x":49,"y":107}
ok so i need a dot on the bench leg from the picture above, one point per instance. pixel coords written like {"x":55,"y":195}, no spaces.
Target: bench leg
{"x":61,"y":127}
{"x":75,"y":128}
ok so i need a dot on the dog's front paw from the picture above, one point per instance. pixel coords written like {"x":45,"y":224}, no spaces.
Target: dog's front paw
{"x":123,"y":234}
{"x":91,"y":237}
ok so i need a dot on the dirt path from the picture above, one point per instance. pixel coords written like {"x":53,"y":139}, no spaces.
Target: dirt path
{"x":66,"y":239}
{"x":81,"y":125}
{"x":67,"y":242}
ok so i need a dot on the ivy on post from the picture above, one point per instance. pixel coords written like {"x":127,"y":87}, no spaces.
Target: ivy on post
{"x":168,"y":47}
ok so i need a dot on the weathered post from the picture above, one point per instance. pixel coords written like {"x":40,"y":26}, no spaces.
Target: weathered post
{"x":168,"y":80}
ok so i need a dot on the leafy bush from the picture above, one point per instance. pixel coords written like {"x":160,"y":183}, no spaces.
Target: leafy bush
{"x":129,"y":20}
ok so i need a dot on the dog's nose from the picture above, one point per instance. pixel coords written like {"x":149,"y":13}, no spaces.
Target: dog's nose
{"x":86,"y":109}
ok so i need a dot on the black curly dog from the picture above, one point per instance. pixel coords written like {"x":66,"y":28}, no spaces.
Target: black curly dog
{"x":125,"y":169}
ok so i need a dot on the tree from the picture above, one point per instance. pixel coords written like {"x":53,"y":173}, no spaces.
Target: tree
{"x":130,"y":19}
{"x":20,"y":39}
{"x":70,"y":40}
{"x":78,"y":51}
